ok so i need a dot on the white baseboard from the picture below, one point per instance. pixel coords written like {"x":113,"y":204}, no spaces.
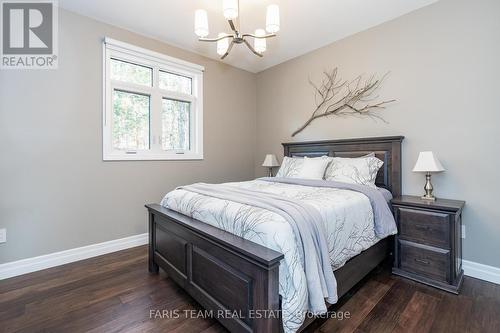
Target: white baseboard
{"x":29,"y":265}
{"x":482,"y":272}
{"x":15,"y":268}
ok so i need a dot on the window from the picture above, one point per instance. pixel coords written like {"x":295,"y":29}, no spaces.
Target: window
{"x":153,"y":105}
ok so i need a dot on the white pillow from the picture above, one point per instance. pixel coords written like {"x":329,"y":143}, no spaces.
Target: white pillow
{"x":293,"y":167}
{"x":290,"y":167}
{"x":313,"y":168}
{"x":360,"y":170}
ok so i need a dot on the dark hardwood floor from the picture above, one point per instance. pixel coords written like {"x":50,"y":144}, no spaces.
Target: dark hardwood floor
{"x":115,"y":293}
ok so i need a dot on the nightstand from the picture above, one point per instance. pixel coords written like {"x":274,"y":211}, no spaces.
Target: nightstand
{"x":428,"y":246}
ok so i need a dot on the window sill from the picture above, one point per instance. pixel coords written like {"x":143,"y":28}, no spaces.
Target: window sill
{"x":151,"y":157}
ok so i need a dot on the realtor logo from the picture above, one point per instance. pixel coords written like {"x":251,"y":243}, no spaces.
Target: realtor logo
{"x":29,"y":34}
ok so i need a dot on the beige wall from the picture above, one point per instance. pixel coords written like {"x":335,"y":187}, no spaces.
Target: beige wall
{"x":445,"y":74}
{"x":56,"y":192}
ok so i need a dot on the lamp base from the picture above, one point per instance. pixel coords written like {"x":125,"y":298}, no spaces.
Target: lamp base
{"x":428,"y":189}
{"x":270,"y":172}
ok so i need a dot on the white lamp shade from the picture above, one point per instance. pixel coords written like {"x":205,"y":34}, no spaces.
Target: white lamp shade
{"x":222,"y":44}
{"x":230,"y":9}
{"x":427,"y":162}
{"x":201,"y":23}
{"x":259,"y":44}
{"x":270,"y":161}
{"x":273,"y":19}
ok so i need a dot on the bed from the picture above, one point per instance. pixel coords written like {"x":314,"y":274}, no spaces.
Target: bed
{"x":235,"y":278}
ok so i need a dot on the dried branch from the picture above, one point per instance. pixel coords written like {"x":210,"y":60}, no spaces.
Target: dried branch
{"x":337,"y":97}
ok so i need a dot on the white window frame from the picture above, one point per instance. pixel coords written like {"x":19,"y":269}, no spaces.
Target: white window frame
{"x":158,"y":62}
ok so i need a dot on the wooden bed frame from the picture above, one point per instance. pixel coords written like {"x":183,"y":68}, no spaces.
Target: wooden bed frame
{"x":235,"y":278}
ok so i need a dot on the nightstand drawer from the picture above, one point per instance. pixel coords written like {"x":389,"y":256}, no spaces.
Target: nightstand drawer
{"x":427,"y":227}
{"x":424,"y":260}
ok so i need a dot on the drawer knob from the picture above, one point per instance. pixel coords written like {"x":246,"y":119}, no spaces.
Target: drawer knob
{"x":422,"y":261}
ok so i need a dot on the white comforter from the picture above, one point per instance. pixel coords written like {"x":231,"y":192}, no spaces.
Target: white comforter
{"x":347,"y":215}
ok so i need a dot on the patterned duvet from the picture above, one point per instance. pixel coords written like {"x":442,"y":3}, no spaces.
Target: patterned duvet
{"x":347,"y":217}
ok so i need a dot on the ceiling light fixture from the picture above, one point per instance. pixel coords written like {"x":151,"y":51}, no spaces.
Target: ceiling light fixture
{"x":225,"y":41}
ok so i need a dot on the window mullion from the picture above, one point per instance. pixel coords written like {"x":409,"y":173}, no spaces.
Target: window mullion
{"x":131,"y":87}
{"x":155,"y":122}
{"x":155,"y":115}
{"x":177,"y":96}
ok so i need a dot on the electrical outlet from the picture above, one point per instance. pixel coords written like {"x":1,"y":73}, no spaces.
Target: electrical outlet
{"x":3,"y":235}
{"x":463,"y":231}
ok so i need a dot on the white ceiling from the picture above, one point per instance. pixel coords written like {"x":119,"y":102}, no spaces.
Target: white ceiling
{"x":305,"y":24}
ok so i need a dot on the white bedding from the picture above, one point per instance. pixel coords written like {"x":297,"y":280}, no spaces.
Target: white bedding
{"x":347,"y":215}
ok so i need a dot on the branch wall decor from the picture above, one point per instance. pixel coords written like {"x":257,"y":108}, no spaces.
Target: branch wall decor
{"x":338,"y":97}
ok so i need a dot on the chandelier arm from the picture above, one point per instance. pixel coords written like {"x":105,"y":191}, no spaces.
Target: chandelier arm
{"x":202,"y":39}
{"x":251,"y":48}
{"x":233,"y":27}
{"x":255,"y":36}
{"x":228,"y":49}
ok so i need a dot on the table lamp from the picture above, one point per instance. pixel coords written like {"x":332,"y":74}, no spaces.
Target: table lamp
{"x":270,"y":161}
{"x":428,"y":163}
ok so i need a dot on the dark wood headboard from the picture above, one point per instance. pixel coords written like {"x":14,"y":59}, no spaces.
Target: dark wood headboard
{"x":388,"y":149}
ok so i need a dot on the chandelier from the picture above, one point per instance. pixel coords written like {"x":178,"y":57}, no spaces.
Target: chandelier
{"x":225,"y":41}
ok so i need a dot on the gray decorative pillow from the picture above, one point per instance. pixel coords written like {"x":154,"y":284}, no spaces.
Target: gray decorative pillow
{"x":360,"y":170}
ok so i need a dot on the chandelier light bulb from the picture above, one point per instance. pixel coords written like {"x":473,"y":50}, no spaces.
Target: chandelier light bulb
{"x":230,"y":9}
{"x":222,"y":44}
{"x":273,"y":19}
{"x":201,"y":23}
{"x":259,"y":44}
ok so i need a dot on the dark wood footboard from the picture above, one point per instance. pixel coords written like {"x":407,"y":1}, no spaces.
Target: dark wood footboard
{"x":229,"y":276}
